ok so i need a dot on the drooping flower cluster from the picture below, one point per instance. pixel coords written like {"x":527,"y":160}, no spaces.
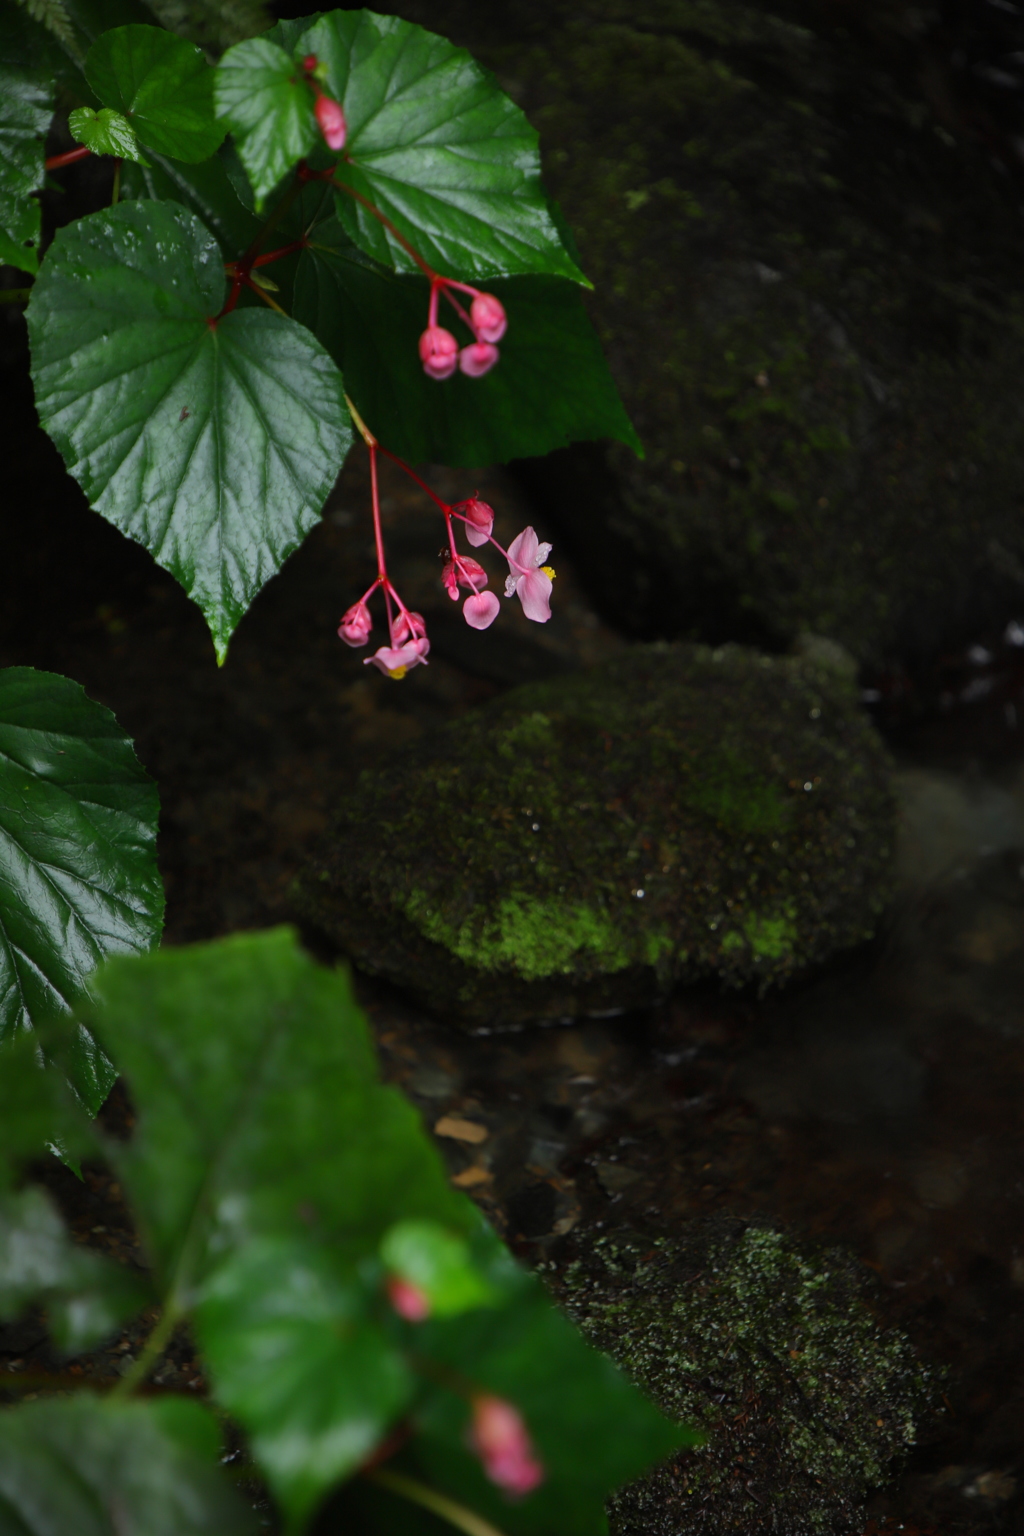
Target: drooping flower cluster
{"x":499,"y":1436}
{"x":440,"y":353}
{"x":529,"y":578}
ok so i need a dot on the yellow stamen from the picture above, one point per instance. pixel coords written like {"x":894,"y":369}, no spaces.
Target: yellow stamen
{"x":549,"y":572}
{"x":397,"y":673}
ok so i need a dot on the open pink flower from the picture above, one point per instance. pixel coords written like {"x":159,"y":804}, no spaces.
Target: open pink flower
{"x":480,"y":610}
{"x":530,"y":578}
{"x":395,"y":661}
{"x":477,"y":359}
{"x":407,"y":1299}
{"x":439,"y":352}
{"x":355,"y":625}
{"x":332,"y":121}
{"x":488,"y":316}
{"x":479,"y":520}
{"x":500,"y":1438}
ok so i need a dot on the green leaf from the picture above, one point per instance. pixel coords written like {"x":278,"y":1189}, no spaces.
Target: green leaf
{"x":264,"y":99}
{"x":36,"y":1109}
{"x":106,"y":133}
{"x":208,"y":190}
{"x":550,"y":387}
{"x":85,"y":1294}
{"x":439,"y":149}
{"x":591,"y":1429}
{"x":259,"y":1110}
{"x":26,"y":107}
{"x":213,"y":443}
{"x":296,"y":1357}
{"x":78,"y":824}
{"x":82,"y":1466}
{"x":439,"y":1264}
{"x":162,"y":84}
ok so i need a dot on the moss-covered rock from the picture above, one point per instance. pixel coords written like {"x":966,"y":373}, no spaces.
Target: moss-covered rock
{"x":808,"y":280}
{"x":770,"y":1348}
{"x":580,"y":844}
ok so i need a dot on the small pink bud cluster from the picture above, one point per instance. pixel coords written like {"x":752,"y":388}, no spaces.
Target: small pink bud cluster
{"x":498,"y":1435}
{"x":441,"y":354}
{"x":328,"y":112}
{"x":408,"y":1300}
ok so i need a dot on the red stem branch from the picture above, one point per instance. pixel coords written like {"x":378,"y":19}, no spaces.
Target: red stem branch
{"x":370,"y":208}
{"x":56,"y":161}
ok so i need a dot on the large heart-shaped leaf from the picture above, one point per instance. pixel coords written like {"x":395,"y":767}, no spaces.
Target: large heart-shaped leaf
{"x":263,"y":98}
{"x":26,"y":107}
{"x":297,"y":1357}
{"x":163,"y":86}
{"x":82,"y":1466}
{"x":78,"y":875}
{"x":551,"y":386}
{"x":212,"y":441}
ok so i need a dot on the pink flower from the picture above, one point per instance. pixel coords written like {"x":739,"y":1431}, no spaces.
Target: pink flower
{"x":478,"y":358}
{"x":407,"y":1299}
{"x":479,"y":520}
{"x":480,"y":610}
{"x":395,"y":661}
{"x":439,"y":352}
{"x":332,"y":121}
{"x":530,"y":578}
{"x":463,"y":571}
{"x":488,"y":316}
{"x":408,"y":626}
{"x":500,"y":1438}
{"x":355,"y":625}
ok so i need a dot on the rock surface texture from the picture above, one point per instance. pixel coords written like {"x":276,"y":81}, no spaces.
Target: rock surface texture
{"x":580,"y":844}
{"x":806,"y":261}
{"x":770,"y":1347}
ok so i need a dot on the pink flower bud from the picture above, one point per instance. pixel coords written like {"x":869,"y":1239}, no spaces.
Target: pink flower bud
{"x":480,"y":610}
{"x":478,"y":358}
{"x":332,"y":122}
{"x":439,"y":352}
{"x":488,"y":316}
{"x":479,"y":520}
{"x":407,"y":1299}
{"x":355,"y":625}
{"x":309,"y":63}
{"x":408,"y":626}
{"x":500,"y":1438}
{"x":450,"y":581}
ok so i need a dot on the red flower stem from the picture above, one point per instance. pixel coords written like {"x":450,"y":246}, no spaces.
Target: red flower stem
{"x":414,"y":476}
{"x":378,"y":532}
{"x":284,"y":250}
{"x":73,"y":155}
{"x":403,"y":242}
{"x":457,"y":307}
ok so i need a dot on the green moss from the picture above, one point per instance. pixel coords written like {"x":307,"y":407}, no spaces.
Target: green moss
{"x":607,"y":833}
{"x":770,"y":1348}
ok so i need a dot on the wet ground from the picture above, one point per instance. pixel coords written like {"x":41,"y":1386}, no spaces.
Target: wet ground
{"x":878,"y":1104}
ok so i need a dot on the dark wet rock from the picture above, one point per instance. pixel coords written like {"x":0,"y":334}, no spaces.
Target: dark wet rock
{"x":770,"y":1347}
{"x":581,"y":844}
{"x":806,"y":259}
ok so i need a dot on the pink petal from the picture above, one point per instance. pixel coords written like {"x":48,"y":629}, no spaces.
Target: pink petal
{"x":477,"y":359}
{"x":534,"y":591}
{"x":407,"y":1299}
{"x":522,"y":552}
{"x":488,"y":316}
{"x":396,"y":661}
{"x":479,"y":522}
{"x":481,"y":610}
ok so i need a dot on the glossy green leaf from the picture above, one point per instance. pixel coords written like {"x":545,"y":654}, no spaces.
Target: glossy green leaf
{"x":439,"y":1264}
{"x":85,"y":1294}
{"x":83,"y":1466}
{"x":259,"y":1109}
{"x":105,"y":132}
{"x":162,"y":85}
{"x":37,"y":1109}
{"x":296,"y":1356}
{"x":591,"y":1429}
{"x":208,"y":190}
{"x":263,"y":98}
{"x":550,"y":387}
{"x":438,"y":149}
{"x":213,"y":444}
{"x":26,"y":108}
{"x":78,"y":824}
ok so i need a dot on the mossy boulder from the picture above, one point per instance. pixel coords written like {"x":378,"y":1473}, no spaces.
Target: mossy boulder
{"x":580,"y":844}
{"x":767,"y":1345}
{"x":808,"y":282}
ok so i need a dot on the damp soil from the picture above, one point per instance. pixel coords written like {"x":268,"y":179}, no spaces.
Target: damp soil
{"x":876,"y":1104}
